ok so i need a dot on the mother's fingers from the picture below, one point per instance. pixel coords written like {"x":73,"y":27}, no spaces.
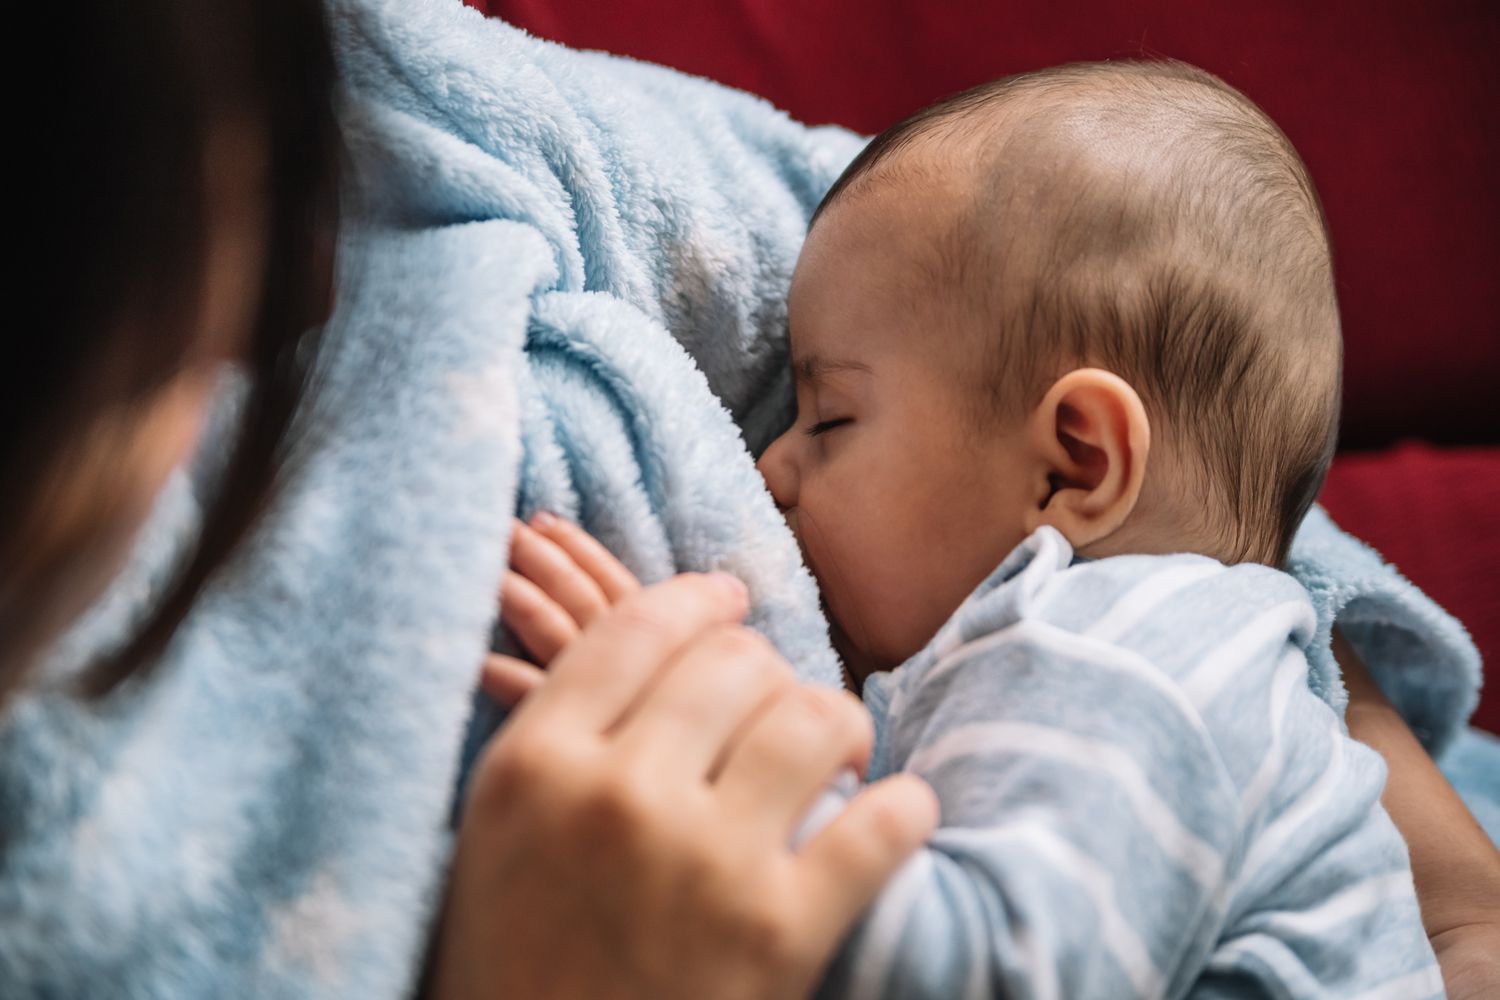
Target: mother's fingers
{"x":609,"y":573}
{"x":789,"y":753}
{"x":850,"y":860}
{"x":709,"y":691}
{"x":541,"y":625}
{"x":599,"y":676}
{"x":558,"y":574}
{"x":507,"y":680}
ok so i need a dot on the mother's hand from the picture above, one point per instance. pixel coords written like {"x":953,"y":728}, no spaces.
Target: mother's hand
{"x":627,"y":833}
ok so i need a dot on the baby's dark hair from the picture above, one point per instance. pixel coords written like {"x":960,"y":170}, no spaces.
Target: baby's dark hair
{"x":1147,"y":218}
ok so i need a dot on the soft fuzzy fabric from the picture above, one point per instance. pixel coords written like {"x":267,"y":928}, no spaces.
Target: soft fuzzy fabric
{"x":1420,"y":654}
{"x":263,"y":818}
{"x":537,"y":241}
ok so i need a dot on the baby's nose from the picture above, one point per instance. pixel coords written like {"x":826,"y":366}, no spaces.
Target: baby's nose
{"x":778,"y":470}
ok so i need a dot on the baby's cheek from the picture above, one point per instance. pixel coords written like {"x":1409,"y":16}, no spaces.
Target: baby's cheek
{"x":890,"y":612}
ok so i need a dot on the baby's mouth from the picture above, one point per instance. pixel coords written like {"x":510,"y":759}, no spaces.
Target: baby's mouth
{"x":790,"y":517}
{"x":846,"y":653}
{"x":855,"y":664}
{"x":836,"y":635}
{"x":850,"y":659}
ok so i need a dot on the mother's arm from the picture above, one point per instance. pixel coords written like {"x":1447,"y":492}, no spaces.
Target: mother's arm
{"x":1456,"y":867}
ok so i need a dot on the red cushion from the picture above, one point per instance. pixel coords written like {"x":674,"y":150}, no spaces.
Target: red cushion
{"x":1433,"y":513}
{"x":1392,"y":105}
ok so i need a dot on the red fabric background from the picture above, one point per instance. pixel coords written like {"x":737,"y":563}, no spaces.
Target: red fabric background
{"x":1395,"y":108}
{"x":1435,"y":513}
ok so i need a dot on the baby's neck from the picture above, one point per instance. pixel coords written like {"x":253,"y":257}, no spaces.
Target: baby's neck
{"x":1165,"y":521}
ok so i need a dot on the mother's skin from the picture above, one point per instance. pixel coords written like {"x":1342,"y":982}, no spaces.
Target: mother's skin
{"x":1454,"y":864}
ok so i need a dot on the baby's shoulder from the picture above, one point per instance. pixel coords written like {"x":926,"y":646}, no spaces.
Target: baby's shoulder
{"x":1176,"y":609}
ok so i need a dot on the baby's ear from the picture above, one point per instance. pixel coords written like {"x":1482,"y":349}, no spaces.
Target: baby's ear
{"x":1090,"y":438}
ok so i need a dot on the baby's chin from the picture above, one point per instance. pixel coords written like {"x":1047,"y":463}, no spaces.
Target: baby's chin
{"x":857,"y":663}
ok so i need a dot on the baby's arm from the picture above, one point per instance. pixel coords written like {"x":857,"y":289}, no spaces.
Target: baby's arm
{"x":1024,"y":893}
{"x":1094,"y":841}
{"x":1087,"y":828}
{"x":1090,"y":824}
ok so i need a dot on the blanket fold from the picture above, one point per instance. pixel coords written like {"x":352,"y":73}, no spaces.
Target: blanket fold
{"x":563,"y":282}
{"x":1420,"y":655}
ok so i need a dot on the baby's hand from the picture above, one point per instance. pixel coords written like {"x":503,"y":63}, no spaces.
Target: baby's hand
{"x":560,"y":579}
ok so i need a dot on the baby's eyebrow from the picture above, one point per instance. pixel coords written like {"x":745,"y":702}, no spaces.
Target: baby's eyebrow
{"x":812,"y":368}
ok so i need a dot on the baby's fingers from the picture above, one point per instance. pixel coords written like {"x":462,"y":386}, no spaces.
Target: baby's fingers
{"x":556,"y":573}
{"x":537,"y":621}
{"x":507,"y":680}
{"x":609,"y":573}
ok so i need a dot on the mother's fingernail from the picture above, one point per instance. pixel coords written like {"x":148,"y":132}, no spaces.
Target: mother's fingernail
{"x":731,"y":584}
{"x":542,"y":519}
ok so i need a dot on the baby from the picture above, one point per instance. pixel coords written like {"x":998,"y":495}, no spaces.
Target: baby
{"x":1080,"y":325}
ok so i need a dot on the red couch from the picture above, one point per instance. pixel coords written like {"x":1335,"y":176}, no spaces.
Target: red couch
{"x":1396,"y":109}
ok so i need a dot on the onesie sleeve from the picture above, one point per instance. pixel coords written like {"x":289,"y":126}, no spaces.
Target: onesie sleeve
{"x":1323,"y":903}
{"x":1084,"y":841}
{"x":1115,"y":828}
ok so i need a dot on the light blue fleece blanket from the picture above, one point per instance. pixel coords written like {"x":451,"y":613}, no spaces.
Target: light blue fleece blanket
{"x":562,"y":284}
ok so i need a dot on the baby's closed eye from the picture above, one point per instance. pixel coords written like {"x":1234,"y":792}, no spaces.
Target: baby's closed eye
{"x":824,"y":426}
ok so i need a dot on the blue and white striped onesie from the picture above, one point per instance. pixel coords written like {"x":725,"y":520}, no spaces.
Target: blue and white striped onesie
{"x":1141,"y":797}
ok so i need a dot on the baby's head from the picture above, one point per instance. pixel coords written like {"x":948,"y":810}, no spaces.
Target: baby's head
{"x":1098,"y":297}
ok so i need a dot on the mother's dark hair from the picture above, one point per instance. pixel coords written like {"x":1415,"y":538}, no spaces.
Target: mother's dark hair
{"x":139,"y":89}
